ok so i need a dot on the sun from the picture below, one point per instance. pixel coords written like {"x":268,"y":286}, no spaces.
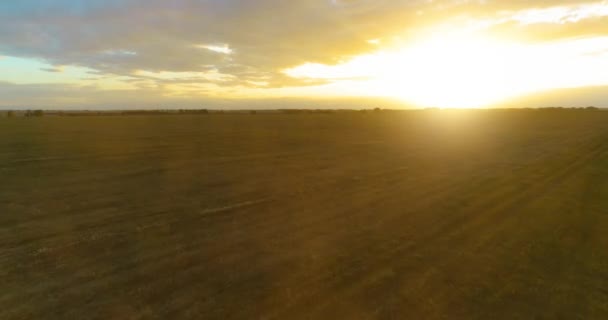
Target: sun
{"x":453,"y":71}
{"x":462,"y":69}
{"x":445,"y":69}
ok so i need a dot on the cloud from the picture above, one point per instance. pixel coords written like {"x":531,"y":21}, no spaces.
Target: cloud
{"x":262,"y":36}
{"x":78,"y":97}
{"x":66,"y":96}
{"x":62,"y":96}
{"x":52,"y":69}
{"x":245,"y":43}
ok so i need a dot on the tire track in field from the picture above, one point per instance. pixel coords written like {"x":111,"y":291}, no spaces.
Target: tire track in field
{"x":412,"y":214}
{"x":47,"y":219}
{"x":337,"y":216}
{"x":455,"y":227}
{"x":159,"y":254}
{"x":499,"y":221}
{"x":205,"y":212}
{"x":497,"y":218}
{"x":119,"y":218}
{"x":212,"y":210}
{"x":395,"y":217}
{"x":306,"y":233}
{"x":222,"y":160}
{"x":104,"y":236}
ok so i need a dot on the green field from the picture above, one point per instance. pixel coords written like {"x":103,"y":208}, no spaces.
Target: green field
{"x":377,"y":215}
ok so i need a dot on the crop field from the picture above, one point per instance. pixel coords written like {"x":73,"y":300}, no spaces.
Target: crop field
{"x":347,"y":215}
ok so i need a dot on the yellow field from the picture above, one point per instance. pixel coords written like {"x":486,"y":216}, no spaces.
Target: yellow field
{"x":377,"y":215}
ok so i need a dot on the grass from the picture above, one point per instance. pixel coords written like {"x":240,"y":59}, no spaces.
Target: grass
{"x":406,"y":215}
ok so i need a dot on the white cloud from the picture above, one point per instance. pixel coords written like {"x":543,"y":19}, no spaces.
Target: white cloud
{"x":224,"y":49}
{"x":562,"y":14}
{"x":212,"y":75}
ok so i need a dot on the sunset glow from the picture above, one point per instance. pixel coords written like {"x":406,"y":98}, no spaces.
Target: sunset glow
{"x":469,"y":70}
{"x":428,"y":54}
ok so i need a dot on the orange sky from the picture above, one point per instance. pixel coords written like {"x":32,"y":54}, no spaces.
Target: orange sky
{"x":231,"y":53}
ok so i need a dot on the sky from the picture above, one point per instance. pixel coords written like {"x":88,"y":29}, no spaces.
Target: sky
{"x":74,"y":54}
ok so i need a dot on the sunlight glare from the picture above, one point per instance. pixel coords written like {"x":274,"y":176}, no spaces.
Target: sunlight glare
{"x":453,"y":71}
{"x":465,"y":69}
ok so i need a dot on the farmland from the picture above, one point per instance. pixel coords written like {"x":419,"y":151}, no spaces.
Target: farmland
{"x":378,"y":215}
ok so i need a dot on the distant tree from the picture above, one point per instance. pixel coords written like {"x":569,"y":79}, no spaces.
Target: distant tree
{"x":592,"y":108}
{"x":253,"y":112}
{"x":10,"y":113}
{"x":34,"y":113}
{"x":377,"y":109}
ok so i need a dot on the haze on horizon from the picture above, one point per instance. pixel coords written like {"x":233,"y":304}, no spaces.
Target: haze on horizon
{"x":241,"y":53}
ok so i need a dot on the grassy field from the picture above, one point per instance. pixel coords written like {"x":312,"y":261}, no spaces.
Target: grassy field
{"x":378,"y":215}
